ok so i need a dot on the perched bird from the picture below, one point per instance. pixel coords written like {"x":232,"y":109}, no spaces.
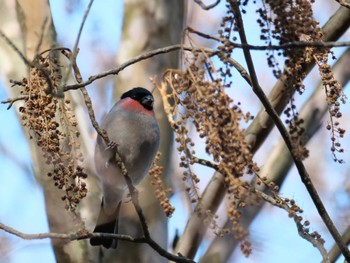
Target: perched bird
{"x":132,"y":126}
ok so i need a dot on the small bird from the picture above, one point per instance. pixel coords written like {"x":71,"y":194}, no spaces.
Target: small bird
{"x":132,"y":126}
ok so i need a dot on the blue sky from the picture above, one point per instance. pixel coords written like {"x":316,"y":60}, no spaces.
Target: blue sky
{"x":26,"y":211}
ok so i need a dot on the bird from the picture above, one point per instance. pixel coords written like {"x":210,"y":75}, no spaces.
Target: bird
{"x":131,"y":125}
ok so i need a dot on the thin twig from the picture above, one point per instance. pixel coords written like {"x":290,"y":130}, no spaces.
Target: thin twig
{"x":75,"y":48}
{"x":308,"y":237}
{"x":293,"y":44}
{"x":135,"y":201}
{"x":87,"y":11}
{"x":159,"y":51}
{"x":33,"y":64}
{"x":128,"y":63}
{"x":242,"y":71}
{"x":71,"y":236}
{"x":284,"y":133}
{"x":153,"y":53}
{"x":13,"y":100}
{"x":205,"y":163}
{"x":115,"y":71}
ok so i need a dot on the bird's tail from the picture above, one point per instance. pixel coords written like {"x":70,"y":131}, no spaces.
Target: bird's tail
{"x":108,"y":227}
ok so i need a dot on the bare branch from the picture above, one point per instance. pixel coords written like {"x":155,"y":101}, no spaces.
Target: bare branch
{"x":316,"y":243}
{"x":205,"y":163}
{"x":289,"y":45}
{"x":241,"y":70}
{"x":75,"y":48}
{"x":255,"y":135}
{"x":159,"y":51}
{"x":34,"y":63}
{"x":11,"y":101}
{"x":83,"y":234}
{"x":296,"y":44}
{"x":128,"y":63}
{"x":285,"y":135}
{"x":153,"y":53}
{"x":70,"y":236}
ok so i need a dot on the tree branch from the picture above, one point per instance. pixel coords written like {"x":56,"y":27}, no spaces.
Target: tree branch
{"x":279,"y":161}
{"x":172,"y":48}
{"x":70,"y":236}
{"x":76,"y":50}
{"x":316,"y":243}
{"x":255,"y":135}
{"x":289,"y":45}
{"x":285,"y":135}
{"x":132,"y":61}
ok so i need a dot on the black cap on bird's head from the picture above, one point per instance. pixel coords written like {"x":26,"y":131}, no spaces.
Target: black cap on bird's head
{"x":141,"y":95}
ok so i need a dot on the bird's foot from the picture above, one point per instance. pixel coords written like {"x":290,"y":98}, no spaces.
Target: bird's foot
{"x":111,"y":145}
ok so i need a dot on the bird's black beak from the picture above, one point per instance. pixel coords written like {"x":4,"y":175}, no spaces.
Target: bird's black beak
{"x":147,"y":102}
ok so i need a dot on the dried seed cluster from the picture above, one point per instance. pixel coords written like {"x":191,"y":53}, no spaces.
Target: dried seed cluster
{"x":161,"y":193}
{"x":293,"y":21}
{"x":303,"y":226}
{"x":286,"y":22}
{"x":335,"y":97}
{"x":196,"y":95}
{"x":52,"y":124}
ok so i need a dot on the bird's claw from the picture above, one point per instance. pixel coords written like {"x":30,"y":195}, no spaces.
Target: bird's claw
{"x":111,"y":145}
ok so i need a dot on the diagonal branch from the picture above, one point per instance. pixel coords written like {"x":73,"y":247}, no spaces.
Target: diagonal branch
{"x":255,"y":135}
{"x":132,"y":61}
{"x":285,"y":135}
{"x":279,"y":161}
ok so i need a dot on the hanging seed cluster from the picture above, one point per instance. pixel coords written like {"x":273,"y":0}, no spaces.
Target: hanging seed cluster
{"x":293,"y":21}
{"x":53,"y":126}
{"x":288,"y":22}
{"x":335,"y":97}
{"x":303,"y":225}
{"x":199,"y":97}
{"x":161,"y":193}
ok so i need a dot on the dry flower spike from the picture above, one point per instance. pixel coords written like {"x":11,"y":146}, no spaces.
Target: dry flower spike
{"x":52,"y":123}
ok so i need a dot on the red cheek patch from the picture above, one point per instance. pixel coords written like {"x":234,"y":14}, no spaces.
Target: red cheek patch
{"x":133,"y":105}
